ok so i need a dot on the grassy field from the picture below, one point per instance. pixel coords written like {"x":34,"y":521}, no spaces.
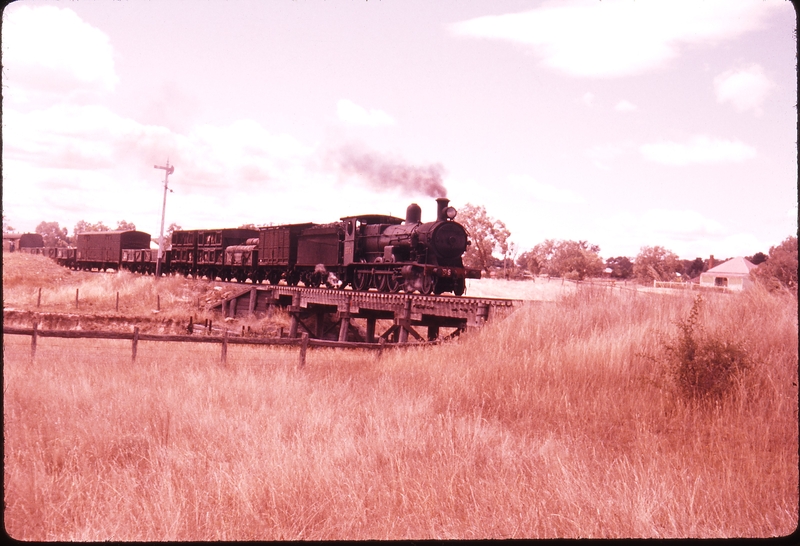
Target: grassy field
{"x":564,"y":420}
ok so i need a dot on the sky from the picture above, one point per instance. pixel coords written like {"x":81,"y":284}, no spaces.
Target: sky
{"x":623,"y":123}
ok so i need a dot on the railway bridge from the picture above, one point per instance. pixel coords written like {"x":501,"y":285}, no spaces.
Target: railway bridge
{"x":333,"y":314}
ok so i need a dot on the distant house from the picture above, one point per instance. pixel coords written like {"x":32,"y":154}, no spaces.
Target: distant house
{"x":733,"y":274}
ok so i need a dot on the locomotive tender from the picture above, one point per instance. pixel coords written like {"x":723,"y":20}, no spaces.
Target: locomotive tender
{"x":367,"y":251}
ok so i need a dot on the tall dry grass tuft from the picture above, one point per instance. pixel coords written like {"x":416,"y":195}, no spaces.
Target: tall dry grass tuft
{"x":548,"y":424}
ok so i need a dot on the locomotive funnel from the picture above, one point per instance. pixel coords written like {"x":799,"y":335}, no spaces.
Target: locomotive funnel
{"x":441,"y":207}
{"x":413,"y":214}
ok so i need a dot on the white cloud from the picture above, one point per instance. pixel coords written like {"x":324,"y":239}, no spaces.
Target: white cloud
{"x":699,"y":149}
{"x":587,"y":38}
{"x":537,"y":191}
{"x":602,"y":154}
{"x":625,"y":106}
{"x":350,"y":112}
{"x":686,"y":232}
{"x":588,"y":98}
{"x":682,"y":225}
{"x":745,"y":89}
{"x":50,"y":50}
{"x":71,"y":162}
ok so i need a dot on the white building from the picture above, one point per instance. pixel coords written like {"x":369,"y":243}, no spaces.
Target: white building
{"x":733,"y":274}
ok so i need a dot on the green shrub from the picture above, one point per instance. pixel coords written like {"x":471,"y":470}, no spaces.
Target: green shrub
{"x":703,"y":366}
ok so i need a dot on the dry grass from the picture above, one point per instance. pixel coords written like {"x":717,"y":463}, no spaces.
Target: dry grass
{"x":557,"y":422}
{"x":141,"y":297}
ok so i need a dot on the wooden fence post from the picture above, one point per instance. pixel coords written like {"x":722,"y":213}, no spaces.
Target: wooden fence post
{"x":406,"y":317}
{"x":116,"y":308}
{"x":224,"y":355}
{"x":39,"y":299}
{"x":303,"y":348}
{"x":294,"y":310}
{"x":158,"y":302}
{"x":33,"y":339}
{"x":135,"y":343}
{"x":381,"y":343}
{"x":251,"y":307}
{"x":76,"y":297}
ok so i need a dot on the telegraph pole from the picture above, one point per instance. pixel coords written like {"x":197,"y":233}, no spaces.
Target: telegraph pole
{"x":168,"y":170}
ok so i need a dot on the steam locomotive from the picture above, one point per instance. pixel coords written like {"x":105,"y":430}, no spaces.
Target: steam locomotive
{"x":387,"y":253}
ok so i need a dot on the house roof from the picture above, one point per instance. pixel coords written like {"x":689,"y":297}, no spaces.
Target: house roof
{"x":738,"y":265}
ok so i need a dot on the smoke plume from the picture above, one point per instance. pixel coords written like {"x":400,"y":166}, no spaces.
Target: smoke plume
{"x":384,"y":173}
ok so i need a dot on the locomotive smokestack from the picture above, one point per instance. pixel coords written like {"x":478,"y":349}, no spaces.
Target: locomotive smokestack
{"x":441,"y":206}
{"x":413,"y":214}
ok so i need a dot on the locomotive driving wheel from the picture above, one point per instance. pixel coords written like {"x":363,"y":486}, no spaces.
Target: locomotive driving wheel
{"x":381,"y":282}
{"x":392,"y":283}
{"x":428,"y":283}
{"x":362,"y":279}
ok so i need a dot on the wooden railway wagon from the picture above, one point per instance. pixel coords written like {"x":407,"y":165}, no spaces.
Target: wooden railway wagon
{"x":183,"y":254}
{"x":243,"y":261}
{"x":65,"y":256}
{"x":144,"y":260}
{"x":319,"y":254}
{"x":103,"y":249}
{"x":210,"y":254}
{"x":277,"y":252}
{"x":50,"y":251}
{"x":32,"y":243}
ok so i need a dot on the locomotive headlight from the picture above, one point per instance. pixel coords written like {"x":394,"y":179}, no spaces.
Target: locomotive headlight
{"x":450,"y":212}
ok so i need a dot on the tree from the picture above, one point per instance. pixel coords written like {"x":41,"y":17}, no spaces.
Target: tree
{"x":173,"y":227}
{"x":780,"y":269}
{"x":568,"y":259}
{"x":83,"y":226}
{"x":487,"y":235}
{"x":52,"y":234}
{"x":621,"y":267}
{"x":527,"y":262}
{"x":757,"y":258}
{"x":576,"y":260}
{"x":539,"y":258}
{"x":655,"y":263}
{"x":6,"y":226}
{"x":122,"y":225}
{"x":693,"y":268}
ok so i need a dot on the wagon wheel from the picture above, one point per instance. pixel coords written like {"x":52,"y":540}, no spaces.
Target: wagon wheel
{"x":274,"y":277}
{"x":427,"y":285}
{"x":362,"y":279}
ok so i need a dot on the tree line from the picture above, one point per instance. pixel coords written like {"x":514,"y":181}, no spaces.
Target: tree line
{"x":57,"y":236}
{"x":579,"y":260}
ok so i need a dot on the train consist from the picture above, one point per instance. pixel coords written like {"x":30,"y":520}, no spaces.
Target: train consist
{"x":387,"y":253}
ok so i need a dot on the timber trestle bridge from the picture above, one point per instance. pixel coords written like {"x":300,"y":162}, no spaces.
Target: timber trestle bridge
{"x":332,"y":314}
